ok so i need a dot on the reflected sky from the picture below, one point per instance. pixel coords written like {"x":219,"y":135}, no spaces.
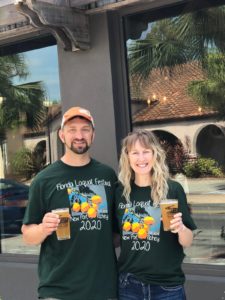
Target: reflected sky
{"x":43,"y":66}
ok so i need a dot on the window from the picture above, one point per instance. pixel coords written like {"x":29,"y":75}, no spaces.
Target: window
{"x":29,"y":118}
{"x":176,"y":71}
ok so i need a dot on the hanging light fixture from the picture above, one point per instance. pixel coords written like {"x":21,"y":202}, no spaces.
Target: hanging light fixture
{"x":149,"y":101}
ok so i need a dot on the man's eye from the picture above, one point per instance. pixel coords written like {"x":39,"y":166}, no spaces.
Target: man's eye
{"x":86,"y":129}
{"x":72,"y":130}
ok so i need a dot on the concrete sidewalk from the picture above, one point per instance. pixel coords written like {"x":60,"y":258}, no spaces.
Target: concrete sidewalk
{"x":205,"y":198}
{"x":203,"y":190}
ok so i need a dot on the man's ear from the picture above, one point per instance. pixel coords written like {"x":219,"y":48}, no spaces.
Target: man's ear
{"x":93,"y":136}
{"x":61,"y":136}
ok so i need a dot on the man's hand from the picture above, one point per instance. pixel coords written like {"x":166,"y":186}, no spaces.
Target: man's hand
{"x":50,"y":223}
{"x":35,"y":234}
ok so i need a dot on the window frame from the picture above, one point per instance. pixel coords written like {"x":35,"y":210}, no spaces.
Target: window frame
{"x":16,"y":47}
{"x":117,"y":43}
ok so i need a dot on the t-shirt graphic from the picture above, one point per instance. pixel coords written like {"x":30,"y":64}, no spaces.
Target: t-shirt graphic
{"x":88,"y":202}
{"x":141,"y":221}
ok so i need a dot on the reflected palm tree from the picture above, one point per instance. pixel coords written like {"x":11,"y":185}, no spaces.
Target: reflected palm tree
{"x":178,"y":40}
{"x":196,"y":36}
{"x":22,"y":104}
{"x":210,"y":92}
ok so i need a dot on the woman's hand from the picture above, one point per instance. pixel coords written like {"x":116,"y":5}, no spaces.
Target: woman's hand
{"x":185,"y":235}
{"x":177,"y":224}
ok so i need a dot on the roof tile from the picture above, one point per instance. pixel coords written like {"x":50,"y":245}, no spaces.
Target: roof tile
{"x":173,"y":86}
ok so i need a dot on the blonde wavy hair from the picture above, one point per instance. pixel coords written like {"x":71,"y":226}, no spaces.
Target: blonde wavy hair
{"x":159,"y":173}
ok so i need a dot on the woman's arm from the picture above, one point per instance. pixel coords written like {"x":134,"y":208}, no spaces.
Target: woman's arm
{"x":185,"y":235}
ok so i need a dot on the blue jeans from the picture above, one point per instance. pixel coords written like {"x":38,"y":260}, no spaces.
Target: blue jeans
{"x":132,"y":289}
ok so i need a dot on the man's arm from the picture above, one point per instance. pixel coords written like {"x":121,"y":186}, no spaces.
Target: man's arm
{"x":35,"y":234}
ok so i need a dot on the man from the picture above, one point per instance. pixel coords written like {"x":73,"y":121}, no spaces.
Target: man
{"x":84,"y":266}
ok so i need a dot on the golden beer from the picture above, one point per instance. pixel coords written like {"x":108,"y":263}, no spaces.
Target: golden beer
{"x":63,"y":230}
{"x":169,"y":208}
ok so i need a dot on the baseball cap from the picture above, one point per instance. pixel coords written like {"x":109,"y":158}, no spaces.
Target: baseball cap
{"x":77,"y":111}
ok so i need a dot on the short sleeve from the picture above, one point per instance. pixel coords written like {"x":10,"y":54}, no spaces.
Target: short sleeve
{"x":34,"y":210}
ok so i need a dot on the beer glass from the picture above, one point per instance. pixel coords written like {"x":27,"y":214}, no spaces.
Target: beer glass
{"x":63,"y":230}
{"x":169,"y":208}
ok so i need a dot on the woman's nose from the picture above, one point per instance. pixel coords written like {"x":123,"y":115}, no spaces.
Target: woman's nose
{"x":141,"y":156}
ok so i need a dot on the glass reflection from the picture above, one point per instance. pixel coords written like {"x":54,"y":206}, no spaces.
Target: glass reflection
{"x":176,"y":70}
{"x":29,"y":102}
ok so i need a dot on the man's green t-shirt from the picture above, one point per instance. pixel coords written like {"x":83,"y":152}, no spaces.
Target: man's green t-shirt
{"x":84,"y":267}
{"x":152,"y":255}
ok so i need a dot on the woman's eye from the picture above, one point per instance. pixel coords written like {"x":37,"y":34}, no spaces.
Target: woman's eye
{"x":147,"y":152}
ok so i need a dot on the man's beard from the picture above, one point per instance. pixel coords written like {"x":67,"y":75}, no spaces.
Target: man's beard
{"x":81,"y":149}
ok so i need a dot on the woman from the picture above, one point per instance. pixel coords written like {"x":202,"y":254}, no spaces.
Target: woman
{"x":151,"y":258}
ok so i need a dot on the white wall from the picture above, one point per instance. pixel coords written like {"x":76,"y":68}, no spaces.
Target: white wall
{"x":185,"y":128}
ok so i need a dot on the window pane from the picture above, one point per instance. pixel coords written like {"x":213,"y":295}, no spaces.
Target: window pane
{"x":176,"y":69}
{"x":29,"y":106}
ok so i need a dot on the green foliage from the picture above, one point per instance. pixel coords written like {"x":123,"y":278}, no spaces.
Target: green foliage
{"x":161,"y":49}
{"x":211,"y":91}
{"x":177,"y":41}
{"x":203,"y":167}
{"x":174,"y":42}
{"x":175,"y":157}
{"x":23,"y":103}
{"x":27,"y":163}
{"x":22,"y":163}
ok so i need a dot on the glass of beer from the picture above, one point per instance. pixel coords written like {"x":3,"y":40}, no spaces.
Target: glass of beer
{"x":63,"y":230}
{"x":169,"y":208}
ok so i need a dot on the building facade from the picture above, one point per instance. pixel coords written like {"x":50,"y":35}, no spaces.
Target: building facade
{"x":79,"y":53}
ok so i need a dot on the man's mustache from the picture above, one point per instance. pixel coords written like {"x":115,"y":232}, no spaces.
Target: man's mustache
{"x":79,"y":140}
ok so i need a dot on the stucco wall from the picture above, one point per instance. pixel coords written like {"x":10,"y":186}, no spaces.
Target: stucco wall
{"x":184,"y":129}
{"x":85,"y":78}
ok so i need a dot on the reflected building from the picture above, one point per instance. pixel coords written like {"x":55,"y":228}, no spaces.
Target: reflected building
{"x":43,"y":140}
{"x":161,"y":104}
{"x":89,"y":46}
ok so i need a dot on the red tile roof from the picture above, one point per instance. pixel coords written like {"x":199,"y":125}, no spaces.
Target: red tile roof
{"x":177,"y":104}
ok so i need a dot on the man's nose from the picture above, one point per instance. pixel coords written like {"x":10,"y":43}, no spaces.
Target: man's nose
{"x":78,"y":134}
